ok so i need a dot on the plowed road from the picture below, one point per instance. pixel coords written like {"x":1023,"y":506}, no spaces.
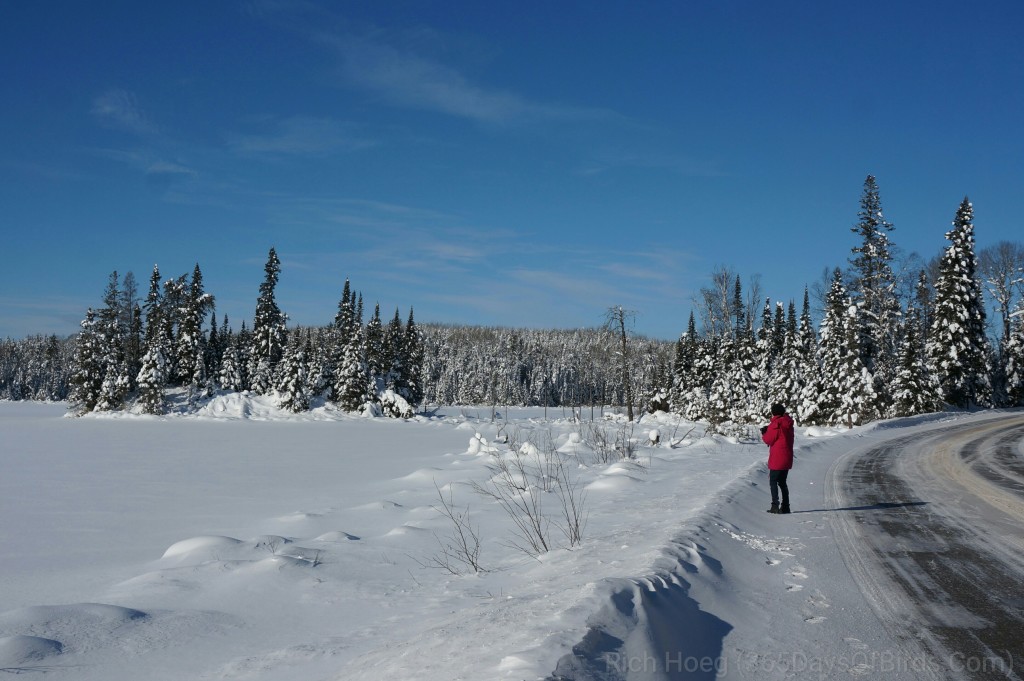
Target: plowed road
{"x":943,"y":565}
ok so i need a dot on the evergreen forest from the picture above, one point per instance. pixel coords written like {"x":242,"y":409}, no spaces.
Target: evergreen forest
{"x":884,"y":337}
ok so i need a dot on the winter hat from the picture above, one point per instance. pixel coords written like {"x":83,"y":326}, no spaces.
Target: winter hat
{"x":778,"y":410}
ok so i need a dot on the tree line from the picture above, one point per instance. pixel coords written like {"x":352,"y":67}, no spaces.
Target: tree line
{"x":132,"y":352}
{"x":882,"y":349}
{"x":887,"y":344}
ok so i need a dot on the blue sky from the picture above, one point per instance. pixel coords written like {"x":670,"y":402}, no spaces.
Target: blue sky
{"x":520,"y":164}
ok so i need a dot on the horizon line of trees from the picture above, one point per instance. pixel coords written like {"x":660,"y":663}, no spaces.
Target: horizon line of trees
{"x":886,"y":345}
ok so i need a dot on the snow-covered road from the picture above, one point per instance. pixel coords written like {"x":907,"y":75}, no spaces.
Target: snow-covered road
{"x":938,"y":545}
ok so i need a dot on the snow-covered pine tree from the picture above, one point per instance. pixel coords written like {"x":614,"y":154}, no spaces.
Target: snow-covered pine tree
{"x":318,"y":376}
{"x":914,"y":389}
{"x":832,"y":350}
{"x":766,"y":358}
{"x":351,"y":388}
{"x":375,"y":360}
{"x":1013,"y":359}
{"x":745,"y":406}
{"x":134,"y":344}
{"x":152,"y":374}
{"x":698,"y":400}
{"x":151,"y":379}
{"x":807,"y":335}
{"x":87,"y":377}
{"x":394,"y":354}
{"x":230,"y":375}
{"x":345,"y":315}
{"x":412,"y":345}
{"x":925,"y":309}
{"x":175,"y":291}
{"x":243,"y":343}
{"x":720,"y":394}
{"x":338,"y":338}
{"x":269,"y":334}
{"x":735,"y":386}
{"x":215,"y":346}
{"x":112,"y":333}
{"x":859,"y":402}
{"x":190,"y":342}
{"x":788,"y":379}
{"x":779,"y":330}
{"x":131,"y":324}
{"x":293,"y":386}
{"x":873,"y":291}
{"x":958,"y":348}
{"x":683,"y":367}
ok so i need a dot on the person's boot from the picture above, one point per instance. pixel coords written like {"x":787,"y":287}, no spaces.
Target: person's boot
{"x":774,"y":508}
{"x":785,"y":507}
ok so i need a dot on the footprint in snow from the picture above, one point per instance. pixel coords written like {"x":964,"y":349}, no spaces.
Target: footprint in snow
{"x":818,"y":600}
{"x":856,"y":643}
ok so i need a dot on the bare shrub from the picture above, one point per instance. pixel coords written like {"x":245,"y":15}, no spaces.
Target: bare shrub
{"x":460,"y":551}
{"x":519,"y":483}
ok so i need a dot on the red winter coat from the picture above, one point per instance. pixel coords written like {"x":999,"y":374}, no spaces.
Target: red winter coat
{"x":779,"y":438}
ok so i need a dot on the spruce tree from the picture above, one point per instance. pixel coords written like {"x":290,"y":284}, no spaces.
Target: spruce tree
{"x":152,"y":374}
{"x":745,"y":407}
{"x":394,"y":354}
{"x":833,"y":348}
{"x":375,"y":357}
{"x":807,"y":334}
{"x":958,"y":347}
{"x":338,"y":339}
{"x":351,"y":388}
{"x":720,"y":395}
{"x":859,"y":402}
{"x":1013,"y":354}
{"x":914,"y":389}
{"x":788,"y":380}
{"x":190,"y":342}
{"x":230,"y":376}
{"x":767,"y":357}
{"x":269,"y":334}
{"x":173,"y":303}
{"x":112,"y":334}
{"x":87,"y":378}
{"x":293,"y":385}
{"x":318,"y":378}
{"x":151,"y":379}
{"x":873,"y":289}
{"x":683,"y":368}
{"x":413,"y":347}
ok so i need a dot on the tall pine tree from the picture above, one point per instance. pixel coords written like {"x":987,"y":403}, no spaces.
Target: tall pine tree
{"x":873,"y":290}
{"x":958,"y":347}
{"x":153,"y":373}
{"x":268,"y":331}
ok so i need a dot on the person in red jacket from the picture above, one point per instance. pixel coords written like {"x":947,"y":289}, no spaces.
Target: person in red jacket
{"x":778,"y":435}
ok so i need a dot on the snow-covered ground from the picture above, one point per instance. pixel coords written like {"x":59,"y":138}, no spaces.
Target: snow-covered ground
{"x":241,"y":542}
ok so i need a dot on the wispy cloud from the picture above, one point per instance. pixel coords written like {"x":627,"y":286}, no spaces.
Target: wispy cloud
{"x":159,"y":174}
{"x":303,"y":135}
{"x":162,"y":175}
{"x":404,"y":78}
{"x":120,"y":109}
